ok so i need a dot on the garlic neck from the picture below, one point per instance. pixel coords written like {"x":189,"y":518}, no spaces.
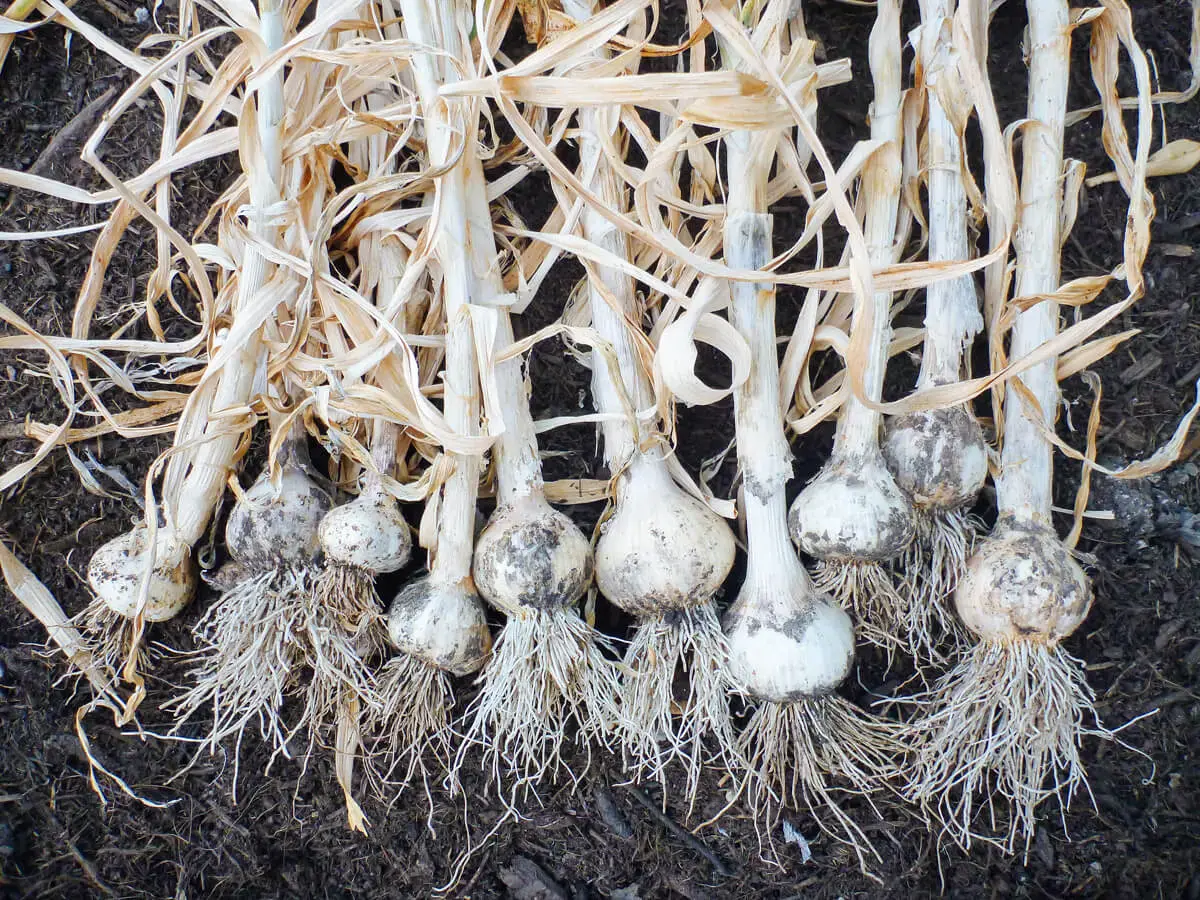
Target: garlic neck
{"x":293,"y":450}
{"x":384,"y":438}
{"x":858,"y":427}
{"x":518,"y":467}
{"x":772,"y":566}
{"x":1024,"y":488}
{"x":646,"y":476}
{"x":764,"y":456}
{"x":853,"y":509}
{"x":952,"y":316}
{"x":613,"y":305}
{"x":195,"y":479}
{"x":463,"y":254}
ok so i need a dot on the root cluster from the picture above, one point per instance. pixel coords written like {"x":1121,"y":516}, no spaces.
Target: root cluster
{"x":805,"y":753}
{"x":246,"y":657}
{"x":548,"y":675}
{"x":1004,"y":726}
{"x":691,"y":726}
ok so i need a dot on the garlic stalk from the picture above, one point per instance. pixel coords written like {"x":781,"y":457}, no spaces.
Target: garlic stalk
{"x":662,"y":554}
{"x":852,"y":516}
{"x":438,"y":623}
{"x":1007,"y":721}
{"x":532,"y":563}
{"x":938,"y":456}
{"x":150,"y":572}
{"x":790,"y":646}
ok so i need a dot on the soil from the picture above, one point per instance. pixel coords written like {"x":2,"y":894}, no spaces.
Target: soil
{"x":1136,"y":835}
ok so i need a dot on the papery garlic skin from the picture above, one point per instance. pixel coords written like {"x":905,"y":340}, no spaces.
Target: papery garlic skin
{"x":662,"y":549}
{"x":273,"y":527}
{"x":785,"y":648}
{"x":441,"y":623}
{"x":368,"y":533}
{"x":1023,"y":584}
{"x":852,"y":510}
{"x":117,"y":568}
{"x":938,"y":456}
{"x":531,"y":557}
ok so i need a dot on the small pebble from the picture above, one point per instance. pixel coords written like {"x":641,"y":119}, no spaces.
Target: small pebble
{"x":141,"y":15}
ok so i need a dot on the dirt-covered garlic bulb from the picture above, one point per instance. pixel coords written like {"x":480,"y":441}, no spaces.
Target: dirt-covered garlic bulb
{"x":786,"y":641}
{"x":368,"y":534}
{"x":663,"y":553}
{"x":117,"y":574}
{"x":852,"y":510}
{"x":531,"y":558}
{"x":117,"y":569}
{"x":247,"y":654}
{"x":275,"y":524}
{"x":442,"y":623}
{"x":1023,"y":583}
{"x":363,"y":538}
{"x":938,"y":457}
{"x":438,"y":627}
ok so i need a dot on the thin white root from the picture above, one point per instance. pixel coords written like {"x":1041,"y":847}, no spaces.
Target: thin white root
{"x":796,"y":750}
{"x":339,"y":628}
{"x":1005,"y":724}
{"x":111,"y":639}
{"x":881,"y":611}
{"x":661,"y":728}
{"x":246,"y":656}
{"x":547,"y":673}
{"x":409,"y":728}
{"x":929,"y":574}
{"x":347,"y":596}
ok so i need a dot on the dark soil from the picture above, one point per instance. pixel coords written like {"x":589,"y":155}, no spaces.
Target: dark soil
{"x":285,"y":835}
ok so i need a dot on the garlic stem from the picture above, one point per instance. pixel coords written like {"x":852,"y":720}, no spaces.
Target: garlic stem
{"x":1024,"y":487}
{"x":952,"y":317}
{"x":764,"y":456}
{"x":460,"y":401}
{"x":518,"y":467}
{"x":384,"y":439}
{"x":858,"y":427}
{"x":209,"y":467}
{"x":610,"y":316}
